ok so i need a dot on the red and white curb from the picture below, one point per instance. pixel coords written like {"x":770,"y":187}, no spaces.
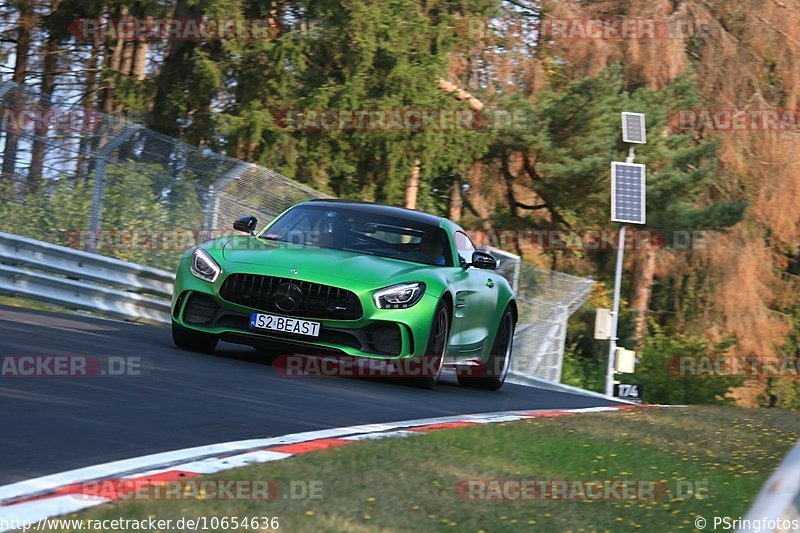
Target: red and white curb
{"x":58,"y":494}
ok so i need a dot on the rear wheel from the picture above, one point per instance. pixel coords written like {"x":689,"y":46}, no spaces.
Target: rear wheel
{"x":433,"y":359}
{"x":496,"y":368}
{"x":196,"y":341}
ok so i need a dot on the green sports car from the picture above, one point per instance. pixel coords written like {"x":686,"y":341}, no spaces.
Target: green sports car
{"x":353,"y":280}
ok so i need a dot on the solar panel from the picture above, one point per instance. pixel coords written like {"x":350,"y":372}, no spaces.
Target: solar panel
{"x":634,"y":129}
{"x":627,"y":193}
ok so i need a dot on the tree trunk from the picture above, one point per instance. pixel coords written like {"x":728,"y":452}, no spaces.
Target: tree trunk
{"x":113,"y":62}
{"x":27,"y":21}
{"x":456,"y":201}
{"x":50,"y":65}
{"x":644,"y":273}
{"x":125,"y":66}
{"x":88,"y":102}
{"x":412,"y":186}
{"x":140,"y":59}
{"x":175,"y":70}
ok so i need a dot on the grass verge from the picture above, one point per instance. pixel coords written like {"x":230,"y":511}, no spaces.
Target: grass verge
{"x":408,"y":484}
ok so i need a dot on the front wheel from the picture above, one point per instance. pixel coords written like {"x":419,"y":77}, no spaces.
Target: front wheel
{"x":496,"y":368}
{"x":433,"y":359}
{"x":196,"y":341}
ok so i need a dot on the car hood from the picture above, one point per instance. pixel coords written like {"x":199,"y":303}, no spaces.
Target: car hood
{"x":324,"y":265}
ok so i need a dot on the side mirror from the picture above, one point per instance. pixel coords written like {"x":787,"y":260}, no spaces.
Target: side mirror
{"x":247,"y":224}
{"x":484,"y":260}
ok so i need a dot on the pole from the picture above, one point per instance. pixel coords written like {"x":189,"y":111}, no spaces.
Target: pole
{"x":612,"y":346}
{"x":98,"y":192}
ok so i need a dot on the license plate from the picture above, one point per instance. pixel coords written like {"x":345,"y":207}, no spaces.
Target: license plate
{"x":284,"y":324}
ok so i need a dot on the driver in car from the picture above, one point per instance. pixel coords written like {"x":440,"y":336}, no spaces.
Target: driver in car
{"x":432,"y":246}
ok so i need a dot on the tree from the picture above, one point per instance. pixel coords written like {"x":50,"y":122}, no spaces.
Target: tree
{"x":26,"y":22}
{"x":565,"y":161}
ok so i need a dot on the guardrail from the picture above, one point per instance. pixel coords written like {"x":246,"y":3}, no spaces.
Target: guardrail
{"x":81,"y":280}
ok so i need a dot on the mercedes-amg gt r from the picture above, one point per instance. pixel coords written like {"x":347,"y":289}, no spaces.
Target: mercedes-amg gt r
{"x":351,"y":279}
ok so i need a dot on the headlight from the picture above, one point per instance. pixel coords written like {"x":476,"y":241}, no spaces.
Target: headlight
{"x":203,"y":266}
{"x":400,"y":296}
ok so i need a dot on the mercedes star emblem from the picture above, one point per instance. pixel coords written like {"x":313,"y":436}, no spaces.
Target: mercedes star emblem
{"x":288,"y":297}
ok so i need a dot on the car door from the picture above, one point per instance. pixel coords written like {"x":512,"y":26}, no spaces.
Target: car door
{"x":475,"y":303}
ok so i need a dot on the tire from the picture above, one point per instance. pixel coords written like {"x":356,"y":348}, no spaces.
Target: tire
{"x":437,"y":345}
{"x":496,"y":368}
{"x":196,"y":341}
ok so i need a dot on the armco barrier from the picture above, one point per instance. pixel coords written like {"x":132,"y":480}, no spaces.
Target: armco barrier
{"x":80,"y":280}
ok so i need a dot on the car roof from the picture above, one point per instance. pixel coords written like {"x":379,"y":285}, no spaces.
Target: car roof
{"x":379,"y":209}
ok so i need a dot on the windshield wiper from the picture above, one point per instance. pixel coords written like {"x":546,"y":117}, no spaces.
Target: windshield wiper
{"x":271,"y":237}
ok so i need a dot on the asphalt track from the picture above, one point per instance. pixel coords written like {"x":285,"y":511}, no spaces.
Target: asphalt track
{"x":184,"y":399}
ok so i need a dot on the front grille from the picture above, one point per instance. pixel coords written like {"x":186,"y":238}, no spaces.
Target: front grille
{"x":316,"y":301}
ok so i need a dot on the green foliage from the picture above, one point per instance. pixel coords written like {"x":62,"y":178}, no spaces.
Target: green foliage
{"x":44,"y":217}
{"x":586,"y":359}
{"x":578,"y":371}
{"x":585,"y":363}
{"x":785,"y":392}
{"x":661,"y":382}
{"x":354,"y":56}
{"x":577,"y":136}
{"x":143,"y":220}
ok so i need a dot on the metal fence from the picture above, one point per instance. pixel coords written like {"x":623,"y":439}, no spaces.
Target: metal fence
{"x":92,"y":182}
{"x":87,"y":180}
{"x":546,"y":301}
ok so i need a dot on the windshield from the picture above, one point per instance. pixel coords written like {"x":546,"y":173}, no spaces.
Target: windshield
{"x":365,"y":233}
